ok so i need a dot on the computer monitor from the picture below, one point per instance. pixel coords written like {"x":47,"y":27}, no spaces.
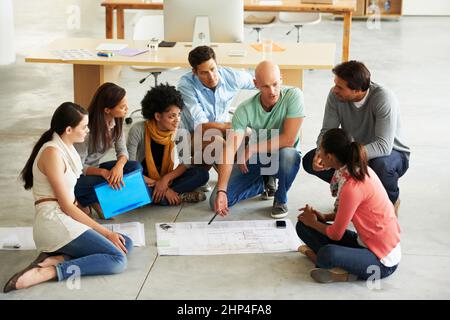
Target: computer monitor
{"x":224,"y":17}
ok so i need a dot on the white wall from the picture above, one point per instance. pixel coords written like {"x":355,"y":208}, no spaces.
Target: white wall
{"x":426,"y":7}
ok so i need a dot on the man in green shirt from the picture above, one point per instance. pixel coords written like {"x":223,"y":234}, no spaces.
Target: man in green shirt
{"x":275,"y":116}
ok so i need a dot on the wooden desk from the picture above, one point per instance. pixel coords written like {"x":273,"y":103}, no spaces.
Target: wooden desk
{"x":341,"y":7}
{"x":89,"y":74}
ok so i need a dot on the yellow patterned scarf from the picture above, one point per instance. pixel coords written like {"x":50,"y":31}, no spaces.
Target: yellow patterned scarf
{"x":164,"y":138}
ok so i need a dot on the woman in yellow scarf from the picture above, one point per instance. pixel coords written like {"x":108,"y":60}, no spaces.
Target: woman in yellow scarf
{"x":152,"y":143}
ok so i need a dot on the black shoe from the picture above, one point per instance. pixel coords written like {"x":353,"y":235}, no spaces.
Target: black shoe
{"x":11,"y":283}
{"x":270,"y":187}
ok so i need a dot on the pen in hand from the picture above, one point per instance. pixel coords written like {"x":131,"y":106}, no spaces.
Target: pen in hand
{"x":213,"y":218}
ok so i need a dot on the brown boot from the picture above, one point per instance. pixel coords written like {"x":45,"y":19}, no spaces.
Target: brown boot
{"x":307,"y":251}
{"x":332,"y":275}
{"x":396,"y":206}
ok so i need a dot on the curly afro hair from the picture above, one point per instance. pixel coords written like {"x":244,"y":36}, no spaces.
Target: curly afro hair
{"x":159,"y":98}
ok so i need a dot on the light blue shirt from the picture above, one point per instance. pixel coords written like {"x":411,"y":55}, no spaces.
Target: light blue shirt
{"x":205,"y":105}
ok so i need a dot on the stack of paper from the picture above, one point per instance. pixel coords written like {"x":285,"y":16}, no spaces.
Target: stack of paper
{"x":17,"y":238}
{"x":134,"y":230}
{"x":111,"y":46}
{"x":74,"y":54}
{"x":21,"y":238}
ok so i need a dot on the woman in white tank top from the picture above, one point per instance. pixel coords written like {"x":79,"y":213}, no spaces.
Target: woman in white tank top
{"x":65,"y":236}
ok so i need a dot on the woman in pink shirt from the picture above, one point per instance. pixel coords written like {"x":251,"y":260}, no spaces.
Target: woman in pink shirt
{"x":373,"y":251}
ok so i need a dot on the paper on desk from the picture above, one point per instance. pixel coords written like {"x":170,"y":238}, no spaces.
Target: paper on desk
{"x":270,"y":3}
{"x":134,"y":230}
{"x":130,"y":52}
{"x":17,"y":236}
{"x":225,"y":237}
{"x":111,"y":46}
{"x":73,"y":54}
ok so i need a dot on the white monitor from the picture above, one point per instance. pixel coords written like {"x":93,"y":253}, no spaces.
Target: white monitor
{"x":225,"y":20}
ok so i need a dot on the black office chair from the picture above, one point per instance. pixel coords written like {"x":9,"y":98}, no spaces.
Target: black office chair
{"x":155,"y":74}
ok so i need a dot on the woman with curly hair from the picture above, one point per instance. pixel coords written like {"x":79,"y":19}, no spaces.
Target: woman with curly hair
{"x":151,"y":142}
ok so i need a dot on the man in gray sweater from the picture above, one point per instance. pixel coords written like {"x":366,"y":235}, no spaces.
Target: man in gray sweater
{"x":370,"y":113}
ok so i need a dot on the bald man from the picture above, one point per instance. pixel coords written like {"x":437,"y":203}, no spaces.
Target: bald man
{"x":275,"y":115}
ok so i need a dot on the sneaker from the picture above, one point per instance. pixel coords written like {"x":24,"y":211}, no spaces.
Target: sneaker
{"x":332,"y":275}
{"x":193,"y":197}
{"x":205,"y":188}
{"x":268,"y":195}
{"x":270,"y":187}
{"x":279,"y":210}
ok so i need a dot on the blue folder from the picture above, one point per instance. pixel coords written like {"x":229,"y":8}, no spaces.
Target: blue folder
{"x":133,"y":195}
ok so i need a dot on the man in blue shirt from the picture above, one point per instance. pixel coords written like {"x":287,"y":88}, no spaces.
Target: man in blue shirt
{"x":209,"y":90}
{"x":207,"y":93}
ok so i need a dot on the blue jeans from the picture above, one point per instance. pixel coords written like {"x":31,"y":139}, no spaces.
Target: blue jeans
{"x":244,"y":186}
{"x":84,"y":189}
{"x":190,"y":180}
{"x":93,"y":254}
{"x":389,"y":169}
{"x":345,"y":253}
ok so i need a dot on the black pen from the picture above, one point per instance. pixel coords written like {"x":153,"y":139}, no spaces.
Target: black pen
{"x":213,"y":218}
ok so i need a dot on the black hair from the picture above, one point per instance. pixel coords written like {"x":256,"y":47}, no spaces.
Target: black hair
{"x":355,"y":73}
{"x":353,"y":154}
{"x":108,"y":95}
{"x":159,"y":98}
{"x":199,"y":55}
{"x":66,"y":115}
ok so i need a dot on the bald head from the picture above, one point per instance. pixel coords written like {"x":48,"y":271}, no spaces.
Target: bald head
{"x":268,"y":82}
{"x":267,"y":71}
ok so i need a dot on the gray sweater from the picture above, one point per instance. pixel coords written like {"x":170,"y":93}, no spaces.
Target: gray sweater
{"x":376,"y":124}
{"x":91,"y":157}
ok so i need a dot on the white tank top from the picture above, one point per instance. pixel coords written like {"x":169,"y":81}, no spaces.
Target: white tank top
{"x":53,"y":229}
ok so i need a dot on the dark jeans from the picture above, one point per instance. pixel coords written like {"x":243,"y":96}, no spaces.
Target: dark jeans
{"x":389,"y":169}
{"x":190,"y":180}
{"x":345,"y":253}
{"x":84,"y":189}
{"x":92,"y":254}
{"x":241,"y":186}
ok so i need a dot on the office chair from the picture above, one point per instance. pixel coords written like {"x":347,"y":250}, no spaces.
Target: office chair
{"x":147,"y":28}
{"x":258,"y":21}
{"x":298,"y":20}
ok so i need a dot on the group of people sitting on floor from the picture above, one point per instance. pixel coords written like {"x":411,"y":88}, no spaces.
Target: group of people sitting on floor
{"x":255,"y":150}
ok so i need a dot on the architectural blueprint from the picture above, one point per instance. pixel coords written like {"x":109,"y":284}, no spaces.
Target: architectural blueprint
{"x":225,"y":237}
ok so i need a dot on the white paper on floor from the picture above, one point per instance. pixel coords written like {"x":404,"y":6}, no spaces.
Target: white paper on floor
{"x":225,"y":237}
{"x":17,"y":238}
{"x":21,"y":238}
{"x":134,"y":230}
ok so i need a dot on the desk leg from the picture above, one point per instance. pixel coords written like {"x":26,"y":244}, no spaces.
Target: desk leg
{"x":109,"y":22}
{"x":346,"y":38}
{"x":293,"y":77}
{"x":87,"y":78}
{"x":120,"y":24}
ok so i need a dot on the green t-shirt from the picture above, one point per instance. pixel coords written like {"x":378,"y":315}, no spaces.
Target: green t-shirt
{"x":251,"y":114}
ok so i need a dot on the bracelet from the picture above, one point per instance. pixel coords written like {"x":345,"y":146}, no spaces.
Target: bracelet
{"x":222,"y":191}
